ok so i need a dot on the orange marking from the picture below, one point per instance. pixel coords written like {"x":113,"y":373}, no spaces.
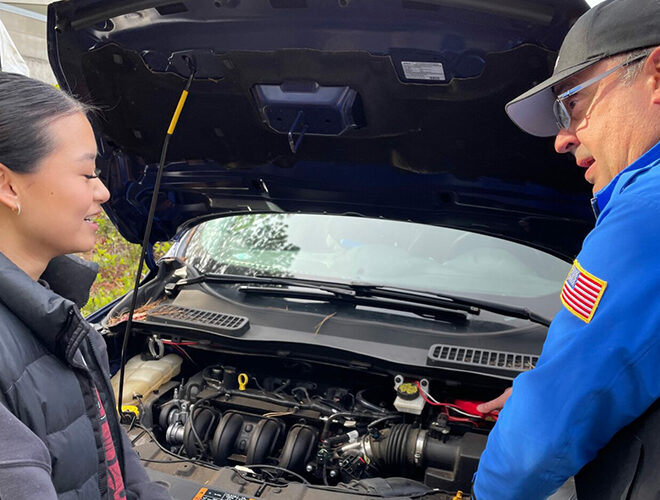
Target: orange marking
{"x":200,"y":494}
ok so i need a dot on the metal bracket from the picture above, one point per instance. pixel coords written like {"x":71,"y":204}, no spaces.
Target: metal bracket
{"x":156,"y":347}
{"x":295,"y":145}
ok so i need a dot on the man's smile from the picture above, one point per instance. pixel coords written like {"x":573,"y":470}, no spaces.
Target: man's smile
{"x":589,"y":163}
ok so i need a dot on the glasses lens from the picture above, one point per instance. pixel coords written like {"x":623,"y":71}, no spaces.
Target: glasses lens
{"x":561,"y":114}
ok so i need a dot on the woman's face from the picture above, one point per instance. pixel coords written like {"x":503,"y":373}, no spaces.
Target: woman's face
{"x":62,"y":198}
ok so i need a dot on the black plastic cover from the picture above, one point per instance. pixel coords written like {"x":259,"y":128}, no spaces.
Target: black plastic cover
{"x":184,"y":316}
{"x":485,"y":360}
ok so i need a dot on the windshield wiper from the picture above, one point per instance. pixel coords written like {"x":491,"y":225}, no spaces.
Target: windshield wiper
{"x":399,"y":298}
{"x":297,"y":288}
{"x":237,"y":279}
{"x":469,"y":304}
{"x":442,"y":312}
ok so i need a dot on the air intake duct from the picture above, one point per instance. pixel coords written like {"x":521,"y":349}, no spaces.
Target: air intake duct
{"x":449,"y":462}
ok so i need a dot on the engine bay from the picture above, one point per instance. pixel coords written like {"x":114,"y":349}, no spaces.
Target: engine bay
{"x":257,"y":424}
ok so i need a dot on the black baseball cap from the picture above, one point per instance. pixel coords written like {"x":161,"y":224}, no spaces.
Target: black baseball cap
{"x":607,"y":29}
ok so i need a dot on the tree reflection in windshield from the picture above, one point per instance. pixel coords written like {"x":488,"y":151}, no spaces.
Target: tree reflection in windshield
{"x":253,"y":244}
{"x":375,"y":251}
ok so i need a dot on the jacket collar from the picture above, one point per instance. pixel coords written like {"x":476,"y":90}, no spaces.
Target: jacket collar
{"x":71,"y":277}
{"x":54,"y":320}
{"x":602,"y":197}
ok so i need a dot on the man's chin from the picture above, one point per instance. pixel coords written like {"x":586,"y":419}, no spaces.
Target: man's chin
{"x":597,"y":186}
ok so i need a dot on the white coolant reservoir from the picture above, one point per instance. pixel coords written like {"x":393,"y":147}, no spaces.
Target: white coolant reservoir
{"x":408,"y":396}
{"x":145,"y":376}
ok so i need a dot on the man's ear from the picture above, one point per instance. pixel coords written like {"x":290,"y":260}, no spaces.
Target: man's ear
{"x":8,"y":194}
{"x":653,"y":66}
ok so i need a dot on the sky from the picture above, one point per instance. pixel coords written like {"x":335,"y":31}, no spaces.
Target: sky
{"x":593,"y":2}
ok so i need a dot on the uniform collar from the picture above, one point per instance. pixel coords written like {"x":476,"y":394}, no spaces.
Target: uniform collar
{"x":602,"y":197}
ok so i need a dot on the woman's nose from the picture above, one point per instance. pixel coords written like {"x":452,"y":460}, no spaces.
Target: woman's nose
{"x":101,"y":194}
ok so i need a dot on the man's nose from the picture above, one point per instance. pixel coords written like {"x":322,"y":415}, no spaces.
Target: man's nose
{"x":566,"y":141}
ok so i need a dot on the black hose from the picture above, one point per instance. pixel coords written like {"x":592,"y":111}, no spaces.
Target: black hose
{"x":284,"y":385}
{"x":193,"y":428}
{"x":359,"y":397}
{"x":280,"y":469}
{"x":324,"y":473}
{"x":379,"y":421}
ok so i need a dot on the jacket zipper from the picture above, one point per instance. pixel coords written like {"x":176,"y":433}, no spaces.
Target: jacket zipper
{"x":110,"y":413}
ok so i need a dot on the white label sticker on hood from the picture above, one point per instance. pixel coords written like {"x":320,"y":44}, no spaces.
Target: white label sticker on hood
{"x":423,"y":70}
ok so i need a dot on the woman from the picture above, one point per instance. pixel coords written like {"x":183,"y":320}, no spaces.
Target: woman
{"x":59,"y":432}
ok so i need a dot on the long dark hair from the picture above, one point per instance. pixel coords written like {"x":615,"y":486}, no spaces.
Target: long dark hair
{"x":27,"y":107}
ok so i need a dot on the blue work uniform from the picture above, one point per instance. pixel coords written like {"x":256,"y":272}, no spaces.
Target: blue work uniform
{"x":600,"y":365}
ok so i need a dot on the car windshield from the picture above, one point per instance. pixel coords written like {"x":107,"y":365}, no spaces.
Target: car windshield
{"x":374,"y":251}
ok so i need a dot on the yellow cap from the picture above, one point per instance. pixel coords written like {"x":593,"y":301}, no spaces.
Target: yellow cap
{"x":242,"y":381}
{"x":131,"y":408}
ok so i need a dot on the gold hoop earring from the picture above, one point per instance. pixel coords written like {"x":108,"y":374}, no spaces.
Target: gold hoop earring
{"x":17,"y":209}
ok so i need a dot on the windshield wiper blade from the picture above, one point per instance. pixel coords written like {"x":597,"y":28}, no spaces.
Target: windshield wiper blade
{"x":339,"y":289}
{"x":468,"y":304}
{"x":329,"y":291}
{"x":434,"y":311}
{"x":420,"y":297}
{"x":234,"y":279}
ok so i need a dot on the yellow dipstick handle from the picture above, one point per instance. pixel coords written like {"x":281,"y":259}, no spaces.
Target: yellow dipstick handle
{"x":242,"y":381}
{"x":177,"y":112}
{"x":132,"y":408}
{"x":459,"y":495}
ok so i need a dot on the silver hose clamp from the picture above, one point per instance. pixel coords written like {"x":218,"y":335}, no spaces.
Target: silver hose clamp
{"x":419,"y":448}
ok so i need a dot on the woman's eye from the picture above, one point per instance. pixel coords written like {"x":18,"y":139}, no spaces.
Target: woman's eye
{"x":95,"y":175}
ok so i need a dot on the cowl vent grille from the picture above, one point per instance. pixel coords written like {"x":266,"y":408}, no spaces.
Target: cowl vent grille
{"x":486,"y":360}
{"x":184,"y":316}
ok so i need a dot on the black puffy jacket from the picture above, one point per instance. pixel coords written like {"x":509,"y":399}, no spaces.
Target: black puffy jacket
{"x":50,"y":438}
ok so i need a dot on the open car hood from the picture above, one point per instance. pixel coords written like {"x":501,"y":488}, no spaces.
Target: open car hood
{"x":395,"y":109}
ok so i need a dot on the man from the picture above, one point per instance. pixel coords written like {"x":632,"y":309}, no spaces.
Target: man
{"x":592,"y":397}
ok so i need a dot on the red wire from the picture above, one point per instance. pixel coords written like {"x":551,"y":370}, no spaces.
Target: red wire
{"x":432,"y":403}
{"x":177,"y":346}
{"x":461,"y":419}
{"x":445,"y":405}
{"x":180,"y":349}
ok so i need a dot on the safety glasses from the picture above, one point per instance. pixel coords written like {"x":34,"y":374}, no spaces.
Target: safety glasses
{"x":562,"y":115}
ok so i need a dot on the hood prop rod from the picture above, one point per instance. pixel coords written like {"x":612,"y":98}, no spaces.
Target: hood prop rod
{"x":147,"y":232}
{"x":294,"y":144}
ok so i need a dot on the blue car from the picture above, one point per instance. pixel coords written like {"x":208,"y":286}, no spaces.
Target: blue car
{"x":365,"y":247}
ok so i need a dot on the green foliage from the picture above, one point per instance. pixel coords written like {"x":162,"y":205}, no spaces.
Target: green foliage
{"x":118,"y":261}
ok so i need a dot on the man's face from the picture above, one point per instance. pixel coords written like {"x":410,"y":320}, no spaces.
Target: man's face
{"x":606,"y":118}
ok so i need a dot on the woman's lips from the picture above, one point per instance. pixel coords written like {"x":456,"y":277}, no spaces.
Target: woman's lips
{"x":91,"y":220}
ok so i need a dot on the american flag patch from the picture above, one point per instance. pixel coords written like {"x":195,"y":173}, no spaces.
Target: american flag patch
{"x":582,"y":292}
